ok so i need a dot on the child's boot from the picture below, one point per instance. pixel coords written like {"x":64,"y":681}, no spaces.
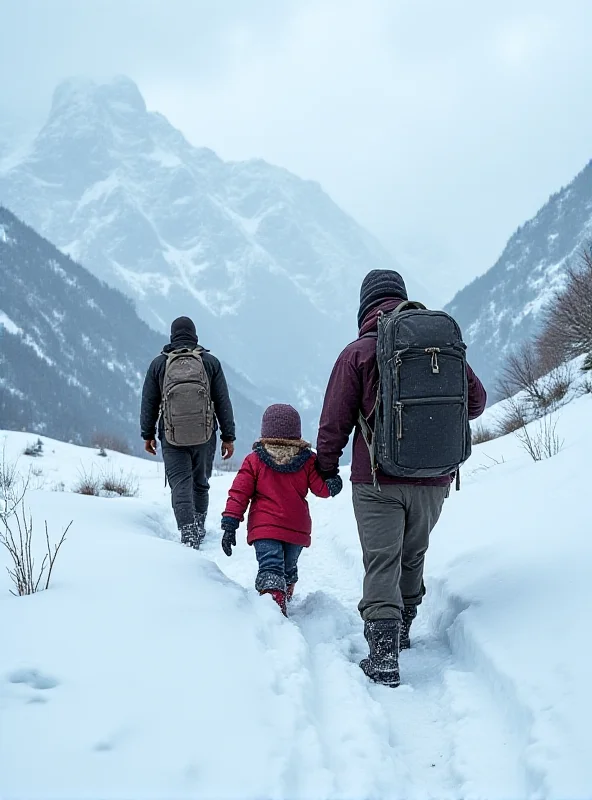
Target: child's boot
{"x":279,"y":597}
{"x":290,"y":592}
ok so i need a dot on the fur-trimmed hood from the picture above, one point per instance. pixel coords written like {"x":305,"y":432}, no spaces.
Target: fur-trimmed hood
{"x":283,"y":455}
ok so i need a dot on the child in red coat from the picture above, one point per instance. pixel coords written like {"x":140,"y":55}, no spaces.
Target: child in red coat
{"x":275,"y":479}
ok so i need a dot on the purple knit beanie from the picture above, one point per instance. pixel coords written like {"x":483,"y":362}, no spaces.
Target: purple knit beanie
{"x":281,"y":422}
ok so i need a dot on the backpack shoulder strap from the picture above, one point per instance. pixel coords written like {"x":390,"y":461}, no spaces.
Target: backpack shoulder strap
{"x":410,"y":305}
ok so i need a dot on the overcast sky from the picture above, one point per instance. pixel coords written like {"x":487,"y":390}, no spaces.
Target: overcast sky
{"x":441,"y":125}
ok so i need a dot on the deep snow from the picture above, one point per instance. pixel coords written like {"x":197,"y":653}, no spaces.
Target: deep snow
{"x":151,"y":671}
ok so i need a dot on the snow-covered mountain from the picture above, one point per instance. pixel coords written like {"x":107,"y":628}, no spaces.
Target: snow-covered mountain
{"x":266,"y":262}
{"x":73,"y":352}
{"x":502,"y":308}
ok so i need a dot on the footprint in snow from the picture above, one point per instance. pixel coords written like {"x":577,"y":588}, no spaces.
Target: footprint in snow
{"x":33,"y":678}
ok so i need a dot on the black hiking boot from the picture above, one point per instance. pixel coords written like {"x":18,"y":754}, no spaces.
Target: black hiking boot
{"x":200,"y":524}
{"x":190,"y":535}
{"x":409,"y":614}
{"x":382,"y":665}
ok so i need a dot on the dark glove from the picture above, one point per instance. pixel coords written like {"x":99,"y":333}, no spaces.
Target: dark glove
{"x":228,"y":542}
{"x":229,"y":526}
{"x":335,"y":485}
{"x":327,"y":473}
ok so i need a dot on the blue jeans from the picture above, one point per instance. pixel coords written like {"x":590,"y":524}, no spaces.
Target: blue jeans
{"x":278,"y":564}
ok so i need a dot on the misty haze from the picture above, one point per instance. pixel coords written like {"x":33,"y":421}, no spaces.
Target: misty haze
{"x":295,"y":380}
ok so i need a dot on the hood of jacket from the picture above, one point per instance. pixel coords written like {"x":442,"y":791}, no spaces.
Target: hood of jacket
{"x":370,"y":321}
{"x":180,"y":343}
{"x":283,"y":455}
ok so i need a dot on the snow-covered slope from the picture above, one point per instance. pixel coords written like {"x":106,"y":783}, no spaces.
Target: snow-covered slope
{"x":266,"y":262}
{"x":149,"y":670}
{"x":73,"y":352}
{"x":501,"y":309}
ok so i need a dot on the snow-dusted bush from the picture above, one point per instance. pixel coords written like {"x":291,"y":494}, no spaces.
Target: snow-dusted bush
{"x":34,"y":450}
{"x":541,"y":390}
{"x":107,"y":483}
{"x":121,"y":484}
{"x":515,"y":416}
{"x":88,"y":483}
{"x":481,"y":434}
{"x":567,"y":324}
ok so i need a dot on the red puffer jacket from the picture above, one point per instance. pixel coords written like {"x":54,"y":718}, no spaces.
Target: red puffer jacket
{"x":275,"y":480}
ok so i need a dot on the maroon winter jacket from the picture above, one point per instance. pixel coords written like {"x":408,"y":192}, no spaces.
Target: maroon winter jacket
{"x":277,"y":493}
{"x":353,"y":387}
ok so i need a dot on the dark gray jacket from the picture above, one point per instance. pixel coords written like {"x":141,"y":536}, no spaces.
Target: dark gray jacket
{"x":152,"y":394}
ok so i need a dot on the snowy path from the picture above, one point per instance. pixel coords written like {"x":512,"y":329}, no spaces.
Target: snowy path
{"x":441,"y":734}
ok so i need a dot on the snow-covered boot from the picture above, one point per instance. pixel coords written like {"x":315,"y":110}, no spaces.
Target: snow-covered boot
{"x":382,"y":665}
{"x":279,"y":597}
{"x":190,"y":535}
{"x":409,"y":614}
{"x":200,"y":524}
{"x":290,"y":592}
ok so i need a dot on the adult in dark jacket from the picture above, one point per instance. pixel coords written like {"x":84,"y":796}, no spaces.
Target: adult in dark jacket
{"x":396,"y":519}
{"x":188,"y":469}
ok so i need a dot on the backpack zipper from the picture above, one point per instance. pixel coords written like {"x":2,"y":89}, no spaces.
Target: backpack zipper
{"x":420,"y":401}
{"x":433,"y":351}
{"x":399,"y":413}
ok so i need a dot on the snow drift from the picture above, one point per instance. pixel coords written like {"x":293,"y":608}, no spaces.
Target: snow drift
{"x":151,"y":671}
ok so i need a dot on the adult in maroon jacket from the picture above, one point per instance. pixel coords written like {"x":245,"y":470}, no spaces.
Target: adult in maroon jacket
{"x":396,"y":519}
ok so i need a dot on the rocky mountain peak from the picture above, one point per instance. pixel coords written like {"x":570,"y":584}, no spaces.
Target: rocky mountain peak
{"x":267,"y":263}
{"x":81,"y":95}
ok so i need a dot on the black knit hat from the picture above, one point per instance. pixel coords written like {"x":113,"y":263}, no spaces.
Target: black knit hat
{"x":379,"y":285}
{"x":183,"y":328}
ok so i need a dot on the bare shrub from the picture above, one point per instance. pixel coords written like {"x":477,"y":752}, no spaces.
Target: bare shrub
{"x":514,"y":417}
{"x":107,"y":441}
{"x":88,"y":483}
{"x":544,"y":441}
{"x":16,"y":536}
{"x":521,"y":373}
{"x":555,"y":386}
{"x":587,"y":365}
{"x":13,"y":487}
{"x":102,"y":452}
{"x":122,"y":484}
{"x":493,"y":462}
{"x":542,"y":387}
{"x":567,"y":325}
{"x":110,"y":483}
{"x":481,"y":434}
{"x":34,"y":450}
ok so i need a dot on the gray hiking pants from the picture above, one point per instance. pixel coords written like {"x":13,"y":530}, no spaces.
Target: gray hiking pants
{"x":188,"y":470}
{"x":394,"y":526}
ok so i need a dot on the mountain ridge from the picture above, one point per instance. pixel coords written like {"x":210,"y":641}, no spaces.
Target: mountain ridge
{"x":73,"y":351}
{"x":502,"y":308}
{"x":266,"y":262}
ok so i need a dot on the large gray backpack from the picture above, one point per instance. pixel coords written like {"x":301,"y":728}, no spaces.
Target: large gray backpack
{"x":187,"y":408}
{"x":421,"y":419}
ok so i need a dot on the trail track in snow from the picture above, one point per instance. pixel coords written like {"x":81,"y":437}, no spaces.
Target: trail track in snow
{"x":446,"y":732}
